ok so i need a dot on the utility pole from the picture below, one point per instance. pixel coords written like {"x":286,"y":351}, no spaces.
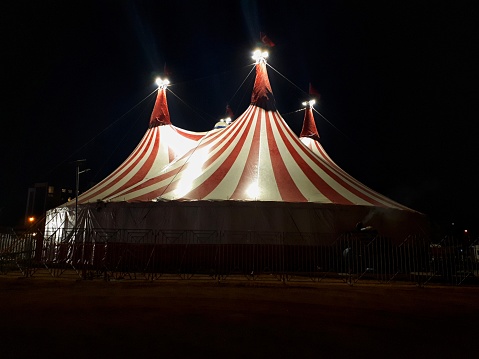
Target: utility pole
{"x":77,"y":186}
{"x":78,"y":172}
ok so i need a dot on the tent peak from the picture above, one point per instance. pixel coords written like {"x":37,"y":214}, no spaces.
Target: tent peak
{"x":262,"y":93}
{"x":160,"y":115}
{"x":309,"y":126}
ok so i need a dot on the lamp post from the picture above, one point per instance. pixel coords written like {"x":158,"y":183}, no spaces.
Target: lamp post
{"x":77,"y":185}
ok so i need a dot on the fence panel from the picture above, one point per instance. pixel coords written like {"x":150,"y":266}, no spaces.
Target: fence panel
{"x":151,"y":254}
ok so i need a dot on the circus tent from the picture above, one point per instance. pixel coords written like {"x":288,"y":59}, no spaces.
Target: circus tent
{"x":253,"y":176}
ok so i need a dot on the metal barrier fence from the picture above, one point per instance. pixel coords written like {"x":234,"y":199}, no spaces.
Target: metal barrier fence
{"x":219,"y":255}
{"x":17,"y":252}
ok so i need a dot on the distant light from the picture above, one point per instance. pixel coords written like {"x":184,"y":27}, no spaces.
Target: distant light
{"x":221,"y":124}
{"x":162,"y":84}
{"x":465,"y":231}
{"x":260,"y":56}
{"x":31,"y":219}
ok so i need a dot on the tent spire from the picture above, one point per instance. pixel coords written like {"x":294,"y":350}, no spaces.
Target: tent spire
{"x":309,"y":126}
{"x":160,"y":115}
{"x":262,"y":94}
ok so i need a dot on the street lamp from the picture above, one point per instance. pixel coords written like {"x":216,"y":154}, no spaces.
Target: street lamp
{"x":78,"y":172}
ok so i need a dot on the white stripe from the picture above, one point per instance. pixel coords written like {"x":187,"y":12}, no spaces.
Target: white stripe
{"x":269,"y":190}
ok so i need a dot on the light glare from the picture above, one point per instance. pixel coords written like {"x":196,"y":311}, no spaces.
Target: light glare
{"x":309,"y":103}
{"x":259,"y":56}
{"x":162,"y":83}
{"x":253,"y":190}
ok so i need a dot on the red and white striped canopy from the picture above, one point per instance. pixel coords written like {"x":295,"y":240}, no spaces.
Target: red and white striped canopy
{"x":161,"y":145}
{"x":257,"y":158}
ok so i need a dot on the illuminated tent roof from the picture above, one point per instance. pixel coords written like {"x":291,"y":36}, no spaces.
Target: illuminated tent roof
{"x":161,"y":144}
{"x":257,"y":158}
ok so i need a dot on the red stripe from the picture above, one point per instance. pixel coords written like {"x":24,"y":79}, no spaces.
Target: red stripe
{"x":287,"y":187}
{"x":315,"y":178}
{"x":171,"y":155}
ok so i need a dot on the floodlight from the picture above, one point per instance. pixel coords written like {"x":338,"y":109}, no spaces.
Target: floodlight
{"x":259,"y":56}
{"x":309,"y":103}
{"x":162,"y":83}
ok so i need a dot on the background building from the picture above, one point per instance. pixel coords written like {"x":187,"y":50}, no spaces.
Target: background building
{"x":42,"y":197}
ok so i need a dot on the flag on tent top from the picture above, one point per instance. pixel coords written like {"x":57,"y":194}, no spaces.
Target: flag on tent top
{"x":166,"y":71}
{"x":266,"y":40}
{"x":313,"y":91}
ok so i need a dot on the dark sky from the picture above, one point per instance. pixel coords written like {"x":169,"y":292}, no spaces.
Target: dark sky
{"x":398,"y":85}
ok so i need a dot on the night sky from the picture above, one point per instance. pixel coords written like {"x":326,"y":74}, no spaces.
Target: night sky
{"x":397,"y":83}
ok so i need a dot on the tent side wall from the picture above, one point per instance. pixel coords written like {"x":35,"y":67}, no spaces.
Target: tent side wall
{"x":223,"y":237}
{"x":322,"y":221}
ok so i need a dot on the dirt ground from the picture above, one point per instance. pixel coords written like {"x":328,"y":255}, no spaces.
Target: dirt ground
{"x":71,"y":318}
